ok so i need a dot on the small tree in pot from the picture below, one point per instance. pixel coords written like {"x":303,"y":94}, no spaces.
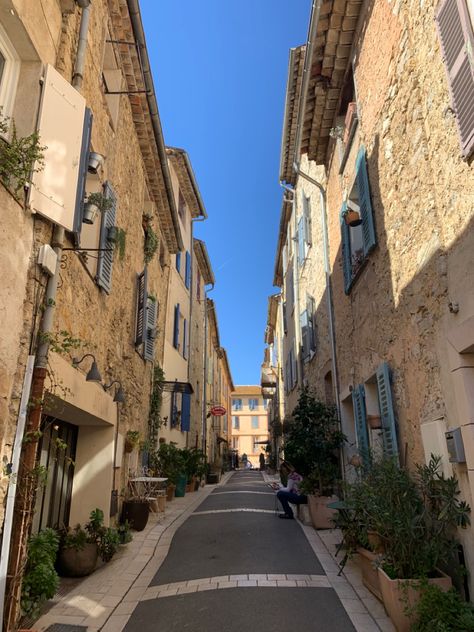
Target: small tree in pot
{"x":312,"y":443}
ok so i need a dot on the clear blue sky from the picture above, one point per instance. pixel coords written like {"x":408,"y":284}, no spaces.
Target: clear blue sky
{"x":220,"y":70}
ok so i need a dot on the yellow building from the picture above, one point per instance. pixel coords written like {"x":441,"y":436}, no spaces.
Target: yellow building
{"x":249,"y":434}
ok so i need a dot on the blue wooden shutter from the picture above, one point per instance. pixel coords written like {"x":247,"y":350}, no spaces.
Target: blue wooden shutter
{"x":81,"y":180}
{"x":307,"y":220}
{"x":185,"y":339}
{"x":141,"y":307}
{"x":360,"y":420}
{"x":178,"y":261}
{"x":187,"y":277}
{"x":176,"y":327}
{"x":186,"y":412}
{"x":389,"y":429}
{"x":305,"y":334}
{"x":457,"y":41}
{"x":151,"y":318}
{"x":365,"y":202}
{"x":106,"y":256}
{"x":311,"y":324}
{"x":301,"y":241}
{"x":346,"y":251}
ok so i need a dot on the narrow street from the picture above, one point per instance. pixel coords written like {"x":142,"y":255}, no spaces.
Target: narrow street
{"x":235,"y":541}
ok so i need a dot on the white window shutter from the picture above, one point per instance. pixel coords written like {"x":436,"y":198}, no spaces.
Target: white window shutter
{"x":150,"y":335}
{"x":60,"y":126}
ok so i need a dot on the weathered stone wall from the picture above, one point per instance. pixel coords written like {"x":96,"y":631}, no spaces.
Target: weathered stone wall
{"x":196,"y":360}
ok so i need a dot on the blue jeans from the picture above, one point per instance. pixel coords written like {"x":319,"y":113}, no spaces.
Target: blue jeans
{"x":290,"y":497}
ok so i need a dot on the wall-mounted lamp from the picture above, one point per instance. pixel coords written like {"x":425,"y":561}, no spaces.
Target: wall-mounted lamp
{"x":96,"y":161}
{"x":119,"y":396}
{"x":93,"y":375}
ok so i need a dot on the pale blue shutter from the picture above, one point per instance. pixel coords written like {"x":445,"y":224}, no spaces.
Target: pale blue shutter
{"x":185,"y":412}
{"x":151,"y":318}
{"x":360,"y":420}
{"x":307,"y":220}
{"x":346,"y":251}
{"x":301,"y":241}
{"x":141,"y":307}
{"x":305,"y":334}
{"x":178,"y":261}
{"x":389,"y":429}
{"x":285,"y":322}
{"x":187,"y":278}
{"x":311,"y":324}
{"x":365,"y":202}
{"x":185,"y":339}
{"x":81,"y":181}
{"x":106,"y":255}
{"x":176,"y":327}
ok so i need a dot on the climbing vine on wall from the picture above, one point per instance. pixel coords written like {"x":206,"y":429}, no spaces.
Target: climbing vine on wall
{"x":156,"y":400}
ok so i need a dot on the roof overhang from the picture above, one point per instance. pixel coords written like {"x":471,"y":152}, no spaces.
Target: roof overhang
{"x":128,"y":27}
{"x":187,"y":181}
{"x":326,"y":61}
{"x":213,"y":326}
{"x":272,"y":312}
{"x":286,"y":209}
{"x":204,"y":262}
{"x":290,"y":120}
{"x":225,"y":360}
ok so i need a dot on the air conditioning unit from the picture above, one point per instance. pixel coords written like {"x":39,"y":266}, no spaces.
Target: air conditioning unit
{"x":351,"y":117}
{"x":47,"y":259}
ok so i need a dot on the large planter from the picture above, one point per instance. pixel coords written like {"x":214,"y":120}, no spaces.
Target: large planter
{"x":180,"y":486}
{"x":77,"y":562}
{"x":322,"y":516}
{"x":170,"y":492}
{"x":136,"y":512}
{"x":400,"y":595}
{"x":370,"y":576}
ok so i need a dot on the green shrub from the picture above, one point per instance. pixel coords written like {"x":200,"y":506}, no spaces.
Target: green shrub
{"x":40,"y":580}
{"x":439,"y":611}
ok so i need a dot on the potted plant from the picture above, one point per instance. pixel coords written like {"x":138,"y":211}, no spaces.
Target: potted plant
{"x":132,"y":441}
{"x":40,"y":579}
{"x":352,"y":216}
{"x":94,"y":204}
{"x":194,"y":466}
{"x":78,"y":552}
{"x":312,"y":443}
{"x":136,"y":511}
{"x":416,"y":517}
{"x":123,"y":530}
{"x":442,"y":610}
{"x":168,"y":461}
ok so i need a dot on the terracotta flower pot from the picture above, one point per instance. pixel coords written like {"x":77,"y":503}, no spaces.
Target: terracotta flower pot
{"x":400,"y":595}
{"x":170,"y":492}
{"x":352,"y":218}
{"x":376,"y":542}
{"x":370,"y":576}
{"x":374,"y":421}
{"x":322,"y":516}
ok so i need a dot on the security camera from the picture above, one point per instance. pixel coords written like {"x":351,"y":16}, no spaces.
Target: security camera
{"x":95,"y":162}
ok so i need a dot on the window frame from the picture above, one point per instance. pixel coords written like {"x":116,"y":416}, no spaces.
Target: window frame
{"x":10,"y":74}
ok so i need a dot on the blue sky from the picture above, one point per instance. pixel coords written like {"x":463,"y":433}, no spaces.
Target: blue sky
{"x":220,"y":70}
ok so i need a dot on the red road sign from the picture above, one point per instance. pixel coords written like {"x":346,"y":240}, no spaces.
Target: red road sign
{"x":218,"y":411}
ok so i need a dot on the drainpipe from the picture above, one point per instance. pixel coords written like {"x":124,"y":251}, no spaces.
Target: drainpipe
{"x":204,"y":384}
{"x":20,"y":520}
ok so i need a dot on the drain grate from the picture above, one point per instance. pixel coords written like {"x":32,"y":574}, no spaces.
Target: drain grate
{"x":64,"y":627}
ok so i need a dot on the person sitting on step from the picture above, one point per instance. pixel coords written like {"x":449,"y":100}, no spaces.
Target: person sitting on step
{"x":291,"y":493}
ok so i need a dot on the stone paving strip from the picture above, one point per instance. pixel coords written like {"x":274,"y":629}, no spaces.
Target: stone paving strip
{"x":236,"y":581}
{"x":235,"y":509}
{"x":244,"y":492}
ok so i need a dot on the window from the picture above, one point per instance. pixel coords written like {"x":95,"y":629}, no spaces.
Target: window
{"x":285,"y":320}
{"x":290,"y":290}
{"x":237,"y":404}
{"x":253,"y":404}
{"x":175,"y":409}
{"x":291,"y":376}
{"x":185,"y":339}
{"x":254,"y":422}
{"x":265,"y":404}
{"x":257,"y":445}
{"x":456,"y":34}
{"x":308,"y":330}
{"x":235,"y":422}
{"x":304,"y":230}
{"x":9,"y":73}
{"x":178,"y":262}
{"x":284,"y":259}
{"x":112,"y":80}
{"x":177,"y":315}
{"x":384,"y":408}
{"x":235,"y":443}
{"x":358,"y":239}
{"x":181,"y":207}
{"x":187,"y":271}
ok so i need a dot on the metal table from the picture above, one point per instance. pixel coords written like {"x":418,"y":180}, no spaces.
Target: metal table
{"x":148,"y":486}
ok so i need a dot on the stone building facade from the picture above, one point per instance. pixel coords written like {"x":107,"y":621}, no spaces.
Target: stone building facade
{"x":249,"y":434}
{"x":375,"y":113}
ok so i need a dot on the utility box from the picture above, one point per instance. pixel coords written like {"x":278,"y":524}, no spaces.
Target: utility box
{"x":47,"y":259}
{"x":455,"y":446}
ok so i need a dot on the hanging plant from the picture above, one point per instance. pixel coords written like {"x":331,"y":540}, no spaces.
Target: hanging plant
{"x":120,"y":243}
{"x":20,"y":157}
{"x":156,"y":399}
{"x":151,"y":243}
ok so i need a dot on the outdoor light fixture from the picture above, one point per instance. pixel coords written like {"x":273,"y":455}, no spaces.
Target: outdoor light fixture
{"x":119,"y":396}
{"x":93,"y":374}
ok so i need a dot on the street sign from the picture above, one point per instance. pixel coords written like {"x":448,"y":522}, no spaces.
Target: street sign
{"x":218,"y":411}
